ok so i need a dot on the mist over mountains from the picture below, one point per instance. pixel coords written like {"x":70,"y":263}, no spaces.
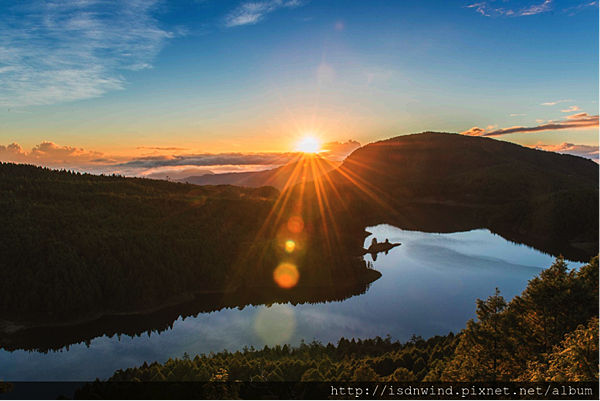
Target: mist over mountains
{"x":304,"y":169}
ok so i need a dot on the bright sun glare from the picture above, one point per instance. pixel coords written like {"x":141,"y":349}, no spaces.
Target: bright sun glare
{"x":309,"y":144}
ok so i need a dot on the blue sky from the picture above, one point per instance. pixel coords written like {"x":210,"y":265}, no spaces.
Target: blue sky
{"x":96,"y":84}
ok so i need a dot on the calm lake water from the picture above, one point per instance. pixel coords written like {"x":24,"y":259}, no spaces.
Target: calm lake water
{"x":429,"y":286}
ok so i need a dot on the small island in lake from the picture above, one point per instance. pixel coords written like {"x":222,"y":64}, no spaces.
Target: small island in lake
{"x":377,"y":247}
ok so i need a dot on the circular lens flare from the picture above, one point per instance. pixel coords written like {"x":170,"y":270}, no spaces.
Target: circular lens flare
{"x":286,"y":275}
{"x":289,"y":246}
{"x":295,"y":224}
{"x":275,"y":324}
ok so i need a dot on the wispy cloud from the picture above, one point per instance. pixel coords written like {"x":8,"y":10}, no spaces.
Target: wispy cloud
{"x":537,"y":8}
{"x":571,"y":109}
{"x":576,"y":121}
{"x":516,"y":115}
{"x":58,"y":51}
{"x":159,"y":148}
{"x":576,"y":9}
{"x":490,"y":9}
{"x":249,"y":13}
{"x":590,"y":152}
{"x":556,"y":102}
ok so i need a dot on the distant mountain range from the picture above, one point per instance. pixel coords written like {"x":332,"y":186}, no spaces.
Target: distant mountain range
{"x":177,"y":175}
{"x":306,"y":168}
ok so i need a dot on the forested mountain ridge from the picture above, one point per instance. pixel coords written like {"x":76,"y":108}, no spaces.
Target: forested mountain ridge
{"x":77,"y":245}
{"x":508,"y":188}
{"x":465,"y":167}
{"x":74,"y":244}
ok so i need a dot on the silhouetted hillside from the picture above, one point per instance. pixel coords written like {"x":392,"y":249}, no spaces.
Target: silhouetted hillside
{"x":306,"y":169}
{"x":79,"y":246}
{"x":467,"y":169}
{"x":520,"y":192}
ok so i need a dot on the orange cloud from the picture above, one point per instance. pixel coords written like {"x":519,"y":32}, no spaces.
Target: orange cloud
{"x":581,"y":120}
{"x":590,"y":152}
{"x":49,"y":154}
{"x":338,"y":150}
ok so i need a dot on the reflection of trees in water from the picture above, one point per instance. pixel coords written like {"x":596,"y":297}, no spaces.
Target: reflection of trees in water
{"x":47,"y":339}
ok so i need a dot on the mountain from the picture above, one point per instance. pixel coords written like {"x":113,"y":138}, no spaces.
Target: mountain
{"x":448,"y":182}
{"x":177,"y":175}
{"x":79,"y":246}
{"x":307,"y":168}
{"x":464,"y":168}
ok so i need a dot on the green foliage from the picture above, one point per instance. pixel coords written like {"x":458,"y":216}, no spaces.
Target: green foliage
{"x":80,"y":245}
{"x":549,"y":332}
{"x":351,"y":360}
{"x":75,"y":245}
{"x":574,"y":359}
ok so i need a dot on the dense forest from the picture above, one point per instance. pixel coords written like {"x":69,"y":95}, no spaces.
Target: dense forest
{"x":77,"y":246}
{"x":548,"y":333}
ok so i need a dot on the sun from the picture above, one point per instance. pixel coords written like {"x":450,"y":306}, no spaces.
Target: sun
{"x":309,"y":144}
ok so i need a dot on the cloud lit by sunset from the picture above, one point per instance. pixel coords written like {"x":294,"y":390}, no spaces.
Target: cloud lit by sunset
{"x":134,"y":87}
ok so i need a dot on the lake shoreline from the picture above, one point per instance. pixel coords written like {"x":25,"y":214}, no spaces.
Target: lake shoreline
{"x":12,"y":327}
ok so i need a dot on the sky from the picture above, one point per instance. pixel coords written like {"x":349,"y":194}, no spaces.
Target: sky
{"x":137,"y":87}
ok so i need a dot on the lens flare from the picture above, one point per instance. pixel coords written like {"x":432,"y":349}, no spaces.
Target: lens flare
{"x":286,"y":275}
{"x":295,"y":224}
{"x":289,"y":246}
{"x":275,"y":324}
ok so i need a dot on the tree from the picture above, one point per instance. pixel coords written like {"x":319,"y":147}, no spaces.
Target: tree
{"x":575,"y":359}
{"x":484,"y":352}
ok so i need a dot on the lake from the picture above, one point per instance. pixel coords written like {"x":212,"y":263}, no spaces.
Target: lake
{"x":429,"y":286}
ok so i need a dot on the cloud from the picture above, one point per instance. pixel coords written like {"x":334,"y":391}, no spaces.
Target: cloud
{"x":50,"y":154}
{"x":556,"y":102}
{"x":537,"y":8}
{"x":571,"y":109}
{"x":250,"y":13}
{"x":587,"y":151}
{"x":576,"y":9}
{"x":59,"y":51}
{"x":487,"y":9}
{"x":159,"y":148}
{"x":209,"y":159}
{"x":516,"y":115}
{"x":579,"y":116}
{"x":581,"y":120}
{"x":338,"y":150}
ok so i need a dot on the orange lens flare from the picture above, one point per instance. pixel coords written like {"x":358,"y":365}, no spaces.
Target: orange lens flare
{"x":295,"y":224}
{"x":286,"y":275}
{"x":289,"y":246}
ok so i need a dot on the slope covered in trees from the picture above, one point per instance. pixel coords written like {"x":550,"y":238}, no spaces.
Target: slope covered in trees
{"x":78,"y":245}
